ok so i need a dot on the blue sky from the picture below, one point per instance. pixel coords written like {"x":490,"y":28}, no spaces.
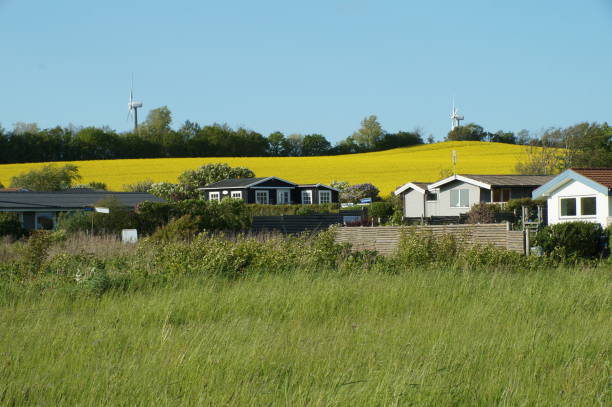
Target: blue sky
{"x":309,"y":66}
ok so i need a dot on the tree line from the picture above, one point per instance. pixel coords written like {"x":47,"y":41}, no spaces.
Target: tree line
{"x":155,"y":138}
{"x":587,"y":144}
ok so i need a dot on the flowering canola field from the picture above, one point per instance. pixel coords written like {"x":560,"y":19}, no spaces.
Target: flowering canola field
{"x":385,"y":169}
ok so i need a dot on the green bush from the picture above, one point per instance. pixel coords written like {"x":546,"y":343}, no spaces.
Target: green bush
{"x":10,"y":225}
{"x":483,"y":213}
{"x":184,"y":228}
{"x":278,"y":210}
{"x":381,"y":210}
{"x":571,"y":239}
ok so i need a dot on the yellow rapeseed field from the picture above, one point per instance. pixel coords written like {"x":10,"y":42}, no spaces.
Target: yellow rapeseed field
{"x":385,"y":169}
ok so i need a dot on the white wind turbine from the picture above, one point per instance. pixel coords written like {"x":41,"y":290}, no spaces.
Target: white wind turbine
{"x":455,"y":117}
{"x":133,"y":106}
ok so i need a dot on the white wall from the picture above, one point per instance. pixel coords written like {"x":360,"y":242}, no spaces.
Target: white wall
{"x":413,"y":204}
{"x":443,"y":208}
{"x":576,"y":189}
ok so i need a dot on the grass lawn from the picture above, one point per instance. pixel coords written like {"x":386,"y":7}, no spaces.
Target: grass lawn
{"x":425,"y":338}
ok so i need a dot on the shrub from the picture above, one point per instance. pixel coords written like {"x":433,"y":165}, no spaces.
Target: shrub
{"x":140,"y":186}
{"x":34,"y":252}
{"x":47,"y":178}
{"x":381,"y":210}
{"x":278,"y":210}
{"x":10,"y":225}
{"x":571,"y":239}
{"x":354,"y":193}
{"x":483,"y":213}
{"x":184,"y":228}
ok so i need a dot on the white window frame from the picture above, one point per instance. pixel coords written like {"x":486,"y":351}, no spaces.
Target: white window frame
{"x":459,"y":190}
{"x":236,"y":194}
{"x":306,"y":192}
{"x":578,"y":200}
{"x":588,"y":216}
{"x":214,"y":196}
{"x":267,"y":196}
{"x":327,"y":193}
{"x":279,"y":194}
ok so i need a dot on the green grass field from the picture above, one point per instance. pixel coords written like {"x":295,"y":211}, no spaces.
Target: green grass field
{"x":421,"y":338}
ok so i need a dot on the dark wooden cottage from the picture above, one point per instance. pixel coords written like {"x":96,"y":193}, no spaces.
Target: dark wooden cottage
{"x":270,"y":191}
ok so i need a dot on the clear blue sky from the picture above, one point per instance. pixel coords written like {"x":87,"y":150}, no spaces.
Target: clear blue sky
{"x":308,"y":66}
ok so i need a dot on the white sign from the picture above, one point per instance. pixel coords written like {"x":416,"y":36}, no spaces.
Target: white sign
{"x":101,"y":209}
{"x":129,"y":235}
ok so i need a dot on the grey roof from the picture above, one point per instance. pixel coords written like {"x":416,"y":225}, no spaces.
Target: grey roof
{"x":511,"y":180}
{"x":68,"y":200}
{"x":235,"y":182}
{"x":422,"y":185}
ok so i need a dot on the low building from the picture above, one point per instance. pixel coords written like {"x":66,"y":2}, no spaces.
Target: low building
{"x":39,"y":210}
{"x":455,"y":195}
{"x":578,"y":194}
{"x":270,"y":191}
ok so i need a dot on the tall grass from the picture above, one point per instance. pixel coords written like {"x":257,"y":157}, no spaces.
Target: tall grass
{"x":266,"y":320}
{"x":432,"y":338}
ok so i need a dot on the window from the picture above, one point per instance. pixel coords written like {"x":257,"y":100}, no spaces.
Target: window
{"x":501,"y":195}
{"x":431,"y":196}
{"x":307,"y":197}
{"x":568,"y":206}
{"x":460,"y":198}
{"x":214,"y":196}
{"x":283,"y":196}
{"x":325,"y":197}
{"x":588,"y":206}
{"x":261,"y":197}
{"x":45,"y":220}
{"x":236,"y":194}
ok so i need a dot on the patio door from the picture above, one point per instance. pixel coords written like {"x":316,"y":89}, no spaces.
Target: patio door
{"x":283,"y":197}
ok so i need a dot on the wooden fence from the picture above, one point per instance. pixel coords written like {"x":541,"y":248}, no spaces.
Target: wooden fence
{"x":385,"y":239}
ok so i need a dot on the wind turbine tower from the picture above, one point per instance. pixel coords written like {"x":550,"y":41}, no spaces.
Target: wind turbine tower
{"x":455,"y":117}
{"x":133,"y":106}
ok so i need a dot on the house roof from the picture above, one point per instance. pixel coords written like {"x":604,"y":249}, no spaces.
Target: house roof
{"x":511,"y":180}
{"x":234,"y":183}
{"x":242,"y":183}
{"x":600,"y":179}
{"x":66,"y":200}
{"x":602,"y":176}
{"x":489,"y":181}
{"x":318,"y":186}
{"x":417,"y":186}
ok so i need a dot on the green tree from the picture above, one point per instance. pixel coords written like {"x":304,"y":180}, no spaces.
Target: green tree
{"x":210,"y":173}
{"x":315,"y":144}
{"x":370,"y":133}
{"x":469,"y":132}
{"x":540,"y":160}
{"x":295,"y":145}
{"x":277,"y":144}
{"x":47,"y":178}
{"x":21,"y":128}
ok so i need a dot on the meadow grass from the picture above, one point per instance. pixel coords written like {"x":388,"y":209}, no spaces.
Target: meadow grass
{"x":420,"y":338}
{"x":385,"y":169}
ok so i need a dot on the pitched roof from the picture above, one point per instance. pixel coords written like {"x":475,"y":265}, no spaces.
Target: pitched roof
{"x":242,"y":182}
{"x":235,"y":182}
{"x":418,"y":186}
{"x":318,"y":186}
{"x":602,"y":176}
{"x":513,"y":180}
{"x":68,"y":200}
{"x":599,"y":179}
